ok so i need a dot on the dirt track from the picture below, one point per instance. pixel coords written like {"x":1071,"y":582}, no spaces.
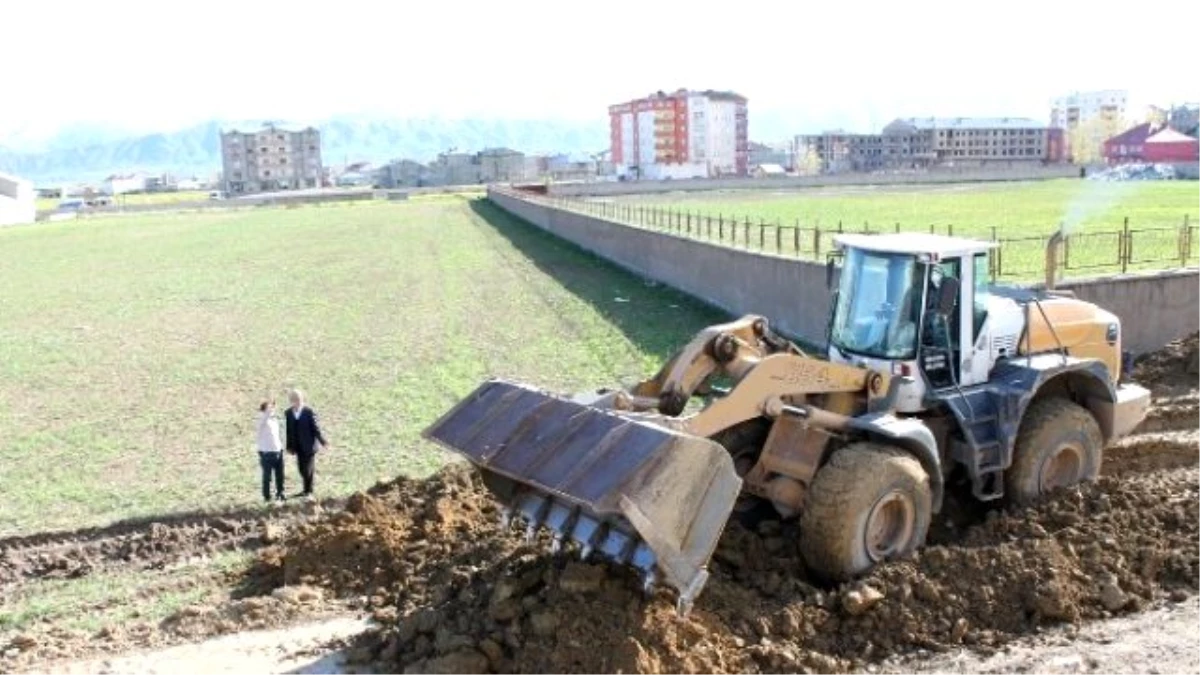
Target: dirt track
{"x":450,"y":591}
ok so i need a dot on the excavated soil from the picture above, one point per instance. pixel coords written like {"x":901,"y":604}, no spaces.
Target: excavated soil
{"x":1171,"y":370}
{"x":454,"y":593}
{"x":450,"y":591}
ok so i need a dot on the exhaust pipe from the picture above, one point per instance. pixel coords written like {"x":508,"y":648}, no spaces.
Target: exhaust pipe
{"x":1052,"y":249}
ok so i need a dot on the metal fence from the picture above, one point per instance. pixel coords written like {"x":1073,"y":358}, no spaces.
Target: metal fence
{"x":1128,"y":249}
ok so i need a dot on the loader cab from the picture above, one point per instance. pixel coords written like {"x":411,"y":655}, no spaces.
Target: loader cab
{"x":911,"y":305}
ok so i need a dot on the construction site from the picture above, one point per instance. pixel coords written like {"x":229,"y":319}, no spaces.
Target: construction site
{"x":959,"y":476}
{"x":449,"y":590}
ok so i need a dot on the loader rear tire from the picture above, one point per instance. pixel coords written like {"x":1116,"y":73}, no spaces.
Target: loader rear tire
{"x":1058,"y":445}
{"x":869,"y":504}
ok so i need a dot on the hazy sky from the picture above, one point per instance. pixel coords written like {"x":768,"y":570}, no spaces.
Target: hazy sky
{"x":166,"y":64}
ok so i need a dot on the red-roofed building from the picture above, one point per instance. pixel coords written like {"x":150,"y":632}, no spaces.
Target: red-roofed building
{"x":1128,"y":146}
{"x":1169,"y":146}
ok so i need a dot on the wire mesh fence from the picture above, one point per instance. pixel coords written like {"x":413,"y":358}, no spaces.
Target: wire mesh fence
{"x":1016,"y":258}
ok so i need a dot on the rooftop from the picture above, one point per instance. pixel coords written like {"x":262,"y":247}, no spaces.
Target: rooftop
{"x":1170,"y":136}
{"x":915,"y":243}
{"x":974,"y":123}
{"x":1133,"y":135}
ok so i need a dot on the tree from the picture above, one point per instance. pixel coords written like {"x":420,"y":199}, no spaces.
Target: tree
{"x":1085,"y":141}
{"x":809,"y":163}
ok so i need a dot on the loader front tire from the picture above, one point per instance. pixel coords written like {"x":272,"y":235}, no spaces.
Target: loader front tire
{"x":869,"y":504}
{"x":1058,"y":445}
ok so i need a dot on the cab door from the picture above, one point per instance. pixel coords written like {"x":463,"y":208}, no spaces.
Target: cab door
{"x":977,"y":359}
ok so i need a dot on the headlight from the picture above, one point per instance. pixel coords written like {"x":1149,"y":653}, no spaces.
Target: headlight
{"x":1114,"y":332}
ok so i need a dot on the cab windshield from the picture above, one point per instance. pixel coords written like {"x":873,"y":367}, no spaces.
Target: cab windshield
{"x":878,"y":305}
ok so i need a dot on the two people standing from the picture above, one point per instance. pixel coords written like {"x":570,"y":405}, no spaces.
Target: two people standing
{"x":304,"y":440}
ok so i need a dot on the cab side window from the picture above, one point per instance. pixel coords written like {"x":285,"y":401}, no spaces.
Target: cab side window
{"x":981,"y":292}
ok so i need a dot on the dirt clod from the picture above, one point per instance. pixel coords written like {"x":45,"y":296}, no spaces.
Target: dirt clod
{"x":859,"y":600}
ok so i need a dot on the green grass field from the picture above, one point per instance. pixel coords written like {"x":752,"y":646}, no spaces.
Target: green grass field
{"x":1012,"y":208}
{"x":134,"y":350}
{"x":1094,"y":212}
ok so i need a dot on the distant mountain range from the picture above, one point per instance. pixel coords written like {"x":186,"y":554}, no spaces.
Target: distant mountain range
{"x":92,"y":152}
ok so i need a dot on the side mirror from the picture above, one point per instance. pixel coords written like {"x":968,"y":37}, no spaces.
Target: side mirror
{"x":947,"y":295}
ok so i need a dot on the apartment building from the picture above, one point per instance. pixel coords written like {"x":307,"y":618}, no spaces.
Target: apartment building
{"x":1101,"y":113}
{"x":684,"y":134}
{"x":977,"y":140}
{"x":271,"y":159}
{"x":1067,"y":112}
{"x":501,"y":165}
{"x":919,"y":143}
{"x":839,"y":151}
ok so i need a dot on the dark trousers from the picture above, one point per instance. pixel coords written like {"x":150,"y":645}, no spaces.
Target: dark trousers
{"x":307,"y":462}
{"x":271,"y":463}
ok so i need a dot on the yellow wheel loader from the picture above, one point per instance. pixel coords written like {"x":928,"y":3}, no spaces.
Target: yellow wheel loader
{"x":931,"y":376}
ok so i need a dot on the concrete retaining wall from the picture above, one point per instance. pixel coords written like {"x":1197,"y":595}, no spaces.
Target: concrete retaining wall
{"x":784,"y":183}
{"x":1154,"y":308}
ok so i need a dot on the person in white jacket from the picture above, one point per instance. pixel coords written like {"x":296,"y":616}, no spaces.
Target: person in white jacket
{"x":270,"y":451}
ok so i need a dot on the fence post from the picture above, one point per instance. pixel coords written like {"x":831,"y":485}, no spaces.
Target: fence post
{"x":1126,"y":245}
{"x":707,"y":226}
{"x":950,"y":229}
{"x":932,"y":228}
{"x":817,"y":241}
{"x":720,"y":227}
{"x":778,"y":237}
{"x":992,"y":258}
{"x":689,"y":222}
{"x":796,"y":237}
{"x":1185,"y":243}
{"x":897,"y":228}
{"x":762,"y":235}
{"x":1187,"y":254}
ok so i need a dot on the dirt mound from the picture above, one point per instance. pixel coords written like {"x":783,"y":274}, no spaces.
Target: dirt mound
{"x":1172,"y":369}
{"x":393,"y":533}
{"x":454,"y":593}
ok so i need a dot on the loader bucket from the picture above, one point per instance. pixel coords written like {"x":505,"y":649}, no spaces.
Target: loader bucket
{"x":630,"y":490}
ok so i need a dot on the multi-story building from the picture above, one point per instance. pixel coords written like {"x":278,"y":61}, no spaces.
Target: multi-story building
{"x":921,"y":143}
{"x":271,"y":159}
{"x":1102,"y":113}
{"x":1071,"y":110}
{"x":975,"y":140}
{"x":685,"y":134}
{"x":839,"y":151}
{"x":501,"y":165}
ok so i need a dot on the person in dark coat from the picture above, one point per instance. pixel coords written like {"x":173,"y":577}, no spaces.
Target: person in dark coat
{"x":304,"y":438}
